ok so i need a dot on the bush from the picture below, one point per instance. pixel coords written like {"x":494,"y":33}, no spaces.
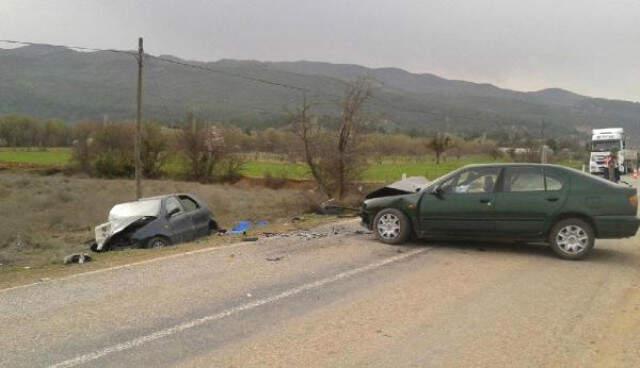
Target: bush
{"x":274,"y":182}
{"x":230,"y":168}
{"x":112,"y":164}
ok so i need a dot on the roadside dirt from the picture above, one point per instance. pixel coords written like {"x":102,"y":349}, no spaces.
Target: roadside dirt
{"x":16,"y":276}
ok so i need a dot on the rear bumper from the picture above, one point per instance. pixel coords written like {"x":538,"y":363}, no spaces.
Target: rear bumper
{"x":613,"y":227}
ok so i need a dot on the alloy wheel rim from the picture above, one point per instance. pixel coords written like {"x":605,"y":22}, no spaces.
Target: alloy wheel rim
{"x":572,"y":239}
{"x":389,"y":226}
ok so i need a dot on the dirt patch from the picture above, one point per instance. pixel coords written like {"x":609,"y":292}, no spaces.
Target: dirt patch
{"x":48,"y":217}
{"x":15,"y":275}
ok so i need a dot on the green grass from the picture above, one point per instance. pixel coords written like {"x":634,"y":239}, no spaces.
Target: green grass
{"x":288,"y":170}
{"x":35,"y":156}
{"x":389,"y":170}
{"x":385,"y":171}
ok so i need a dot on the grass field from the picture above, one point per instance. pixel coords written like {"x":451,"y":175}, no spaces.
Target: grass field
{"x":35,"y":156}
{"x":381,"y":172}
{"x":385,"y":171}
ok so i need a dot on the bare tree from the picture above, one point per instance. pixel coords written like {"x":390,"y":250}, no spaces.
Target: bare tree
{"x":349,"y":157}
{"x":334,"y":158}
{"x":203,"y":147}
{"x":439,"y":144}
{"x":308,"y":132}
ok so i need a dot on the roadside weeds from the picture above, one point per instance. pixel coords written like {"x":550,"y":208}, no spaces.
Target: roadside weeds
{"x":16,"y":276}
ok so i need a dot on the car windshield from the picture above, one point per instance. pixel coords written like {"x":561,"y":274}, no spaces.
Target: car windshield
{"x":605,"y":146}
{"x":150,"y":207}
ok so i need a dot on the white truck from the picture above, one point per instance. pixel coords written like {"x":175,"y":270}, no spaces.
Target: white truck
{"x":603,"y":142}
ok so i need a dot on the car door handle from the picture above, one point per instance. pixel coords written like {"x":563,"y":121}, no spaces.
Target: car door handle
{"x":552,"y":199}
{"x":486,"y":201}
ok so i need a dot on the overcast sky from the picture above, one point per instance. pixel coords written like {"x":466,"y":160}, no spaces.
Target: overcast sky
{"x":588,"y":46}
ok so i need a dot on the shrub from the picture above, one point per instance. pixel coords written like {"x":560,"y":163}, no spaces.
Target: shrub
{"x":274,"y":182}
{"x":230,"y":168}
{"x":113,"y":164}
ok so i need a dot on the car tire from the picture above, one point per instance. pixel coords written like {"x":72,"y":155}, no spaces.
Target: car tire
{"x":213,"y":227}
{"x":572,"y":238}
{"x":157,"y":242}
{"x":391,"y":226}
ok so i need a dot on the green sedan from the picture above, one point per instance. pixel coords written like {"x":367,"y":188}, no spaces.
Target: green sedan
{"x":517,"y":202}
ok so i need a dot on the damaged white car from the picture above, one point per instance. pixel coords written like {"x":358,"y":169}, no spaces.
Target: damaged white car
{"x":155,"y":222}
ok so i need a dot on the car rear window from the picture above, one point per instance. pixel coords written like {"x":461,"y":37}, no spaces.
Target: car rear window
{"x":554,"y":183}
{"x":523,"y":179}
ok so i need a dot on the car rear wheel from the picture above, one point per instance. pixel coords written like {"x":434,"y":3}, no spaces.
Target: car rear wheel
{"x":157,"y":242}
{"x":572,"y":239}
{"x":392,"y":226}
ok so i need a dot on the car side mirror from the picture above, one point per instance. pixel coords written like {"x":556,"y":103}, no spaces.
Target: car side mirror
{"x":173,"y":212}
{"x":437,"y":191}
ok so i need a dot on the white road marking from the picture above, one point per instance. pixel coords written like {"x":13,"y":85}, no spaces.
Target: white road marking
{"x":86,"y":358}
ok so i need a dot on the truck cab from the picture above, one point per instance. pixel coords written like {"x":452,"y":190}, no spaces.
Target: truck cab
{"x":605,"y":141}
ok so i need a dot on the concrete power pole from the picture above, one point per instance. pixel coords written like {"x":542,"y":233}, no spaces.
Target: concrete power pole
{"x":138,"y":138}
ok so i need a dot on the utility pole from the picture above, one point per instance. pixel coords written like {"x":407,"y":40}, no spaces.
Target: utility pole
{"x":138,"y":139}
{"x":543,"y":144}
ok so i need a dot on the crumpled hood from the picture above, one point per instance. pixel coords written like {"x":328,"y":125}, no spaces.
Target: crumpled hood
{"x":405,"y":186}
{"x":104,"y":232}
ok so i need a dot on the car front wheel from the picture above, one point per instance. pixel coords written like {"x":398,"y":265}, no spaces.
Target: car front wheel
{"x":572,"y":239}
{"x":392,"y":226}
{"x":157,"y":242}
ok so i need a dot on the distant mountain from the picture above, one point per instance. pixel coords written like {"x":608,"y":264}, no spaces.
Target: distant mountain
{"x":58,"y":82}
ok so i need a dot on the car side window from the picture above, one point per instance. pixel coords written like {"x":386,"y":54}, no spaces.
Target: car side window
{"x":553,"y":181}
{"x":188,"y":203}
{"x":523,"y":179}
{"x":475,"y":180}
{"x":171,"y":204}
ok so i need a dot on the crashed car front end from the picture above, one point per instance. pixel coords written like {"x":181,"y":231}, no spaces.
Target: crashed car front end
{"x":398,"y":194}
{"x":122,"y":232}
{"x":127,"y":225}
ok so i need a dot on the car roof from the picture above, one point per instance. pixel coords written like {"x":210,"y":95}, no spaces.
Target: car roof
{"x":163,"y":196}
{"x":514,"y":164}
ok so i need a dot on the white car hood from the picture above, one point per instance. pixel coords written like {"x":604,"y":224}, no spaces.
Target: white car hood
{"x":104,"y":232}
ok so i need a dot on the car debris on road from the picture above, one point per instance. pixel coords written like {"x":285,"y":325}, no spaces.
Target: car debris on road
{"x":78,"y":258}
{"x":155,"y":222}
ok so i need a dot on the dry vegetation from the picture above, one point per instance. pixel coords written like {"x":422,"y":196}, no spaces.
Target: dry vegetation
{"x":47,"y":217}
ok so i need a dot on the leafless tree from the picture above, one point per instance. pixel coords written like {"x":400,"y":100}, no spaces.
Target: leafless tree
{"x":203,"y":147}
{"x":349,"y":156}
{"x":308,"y":130}
{"x":334,"y":158}
{"x":439,"y":144}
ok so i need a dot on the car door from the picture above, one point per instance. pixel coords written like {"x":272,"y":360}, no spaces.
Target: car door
{"x":526,"y":200}
{"x":199,"y":215}
{"x":463,"y":205}
{"x":180,"y":222}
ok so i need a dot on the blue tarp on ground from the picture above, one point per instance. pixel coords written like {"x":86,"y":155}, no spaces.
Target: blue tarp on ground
{"x":241,"y":227}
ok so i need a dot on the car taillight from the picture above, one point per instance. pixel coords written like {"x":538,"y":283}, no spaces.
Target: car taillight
{"x":634,"y":200}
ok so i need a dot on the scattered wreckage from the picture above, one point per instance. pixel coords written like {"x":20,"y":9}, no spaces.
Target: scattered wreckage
{"x":155,"y":222}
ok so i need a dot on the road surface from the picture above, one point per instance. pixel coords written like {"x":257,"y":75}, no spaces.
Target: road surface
{"x":340,"y":301}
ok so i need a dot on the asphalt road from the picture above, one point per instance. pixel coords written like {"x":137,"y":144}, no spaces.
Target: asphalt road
{"x":340,"y":301}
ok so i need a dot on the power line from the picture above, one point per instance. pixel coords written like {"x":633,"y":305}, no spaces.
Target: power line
{"x":171,"y":61}
{"x":222,"y":72}
{"x":204,"y":68}
{"x":14,"y":42}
